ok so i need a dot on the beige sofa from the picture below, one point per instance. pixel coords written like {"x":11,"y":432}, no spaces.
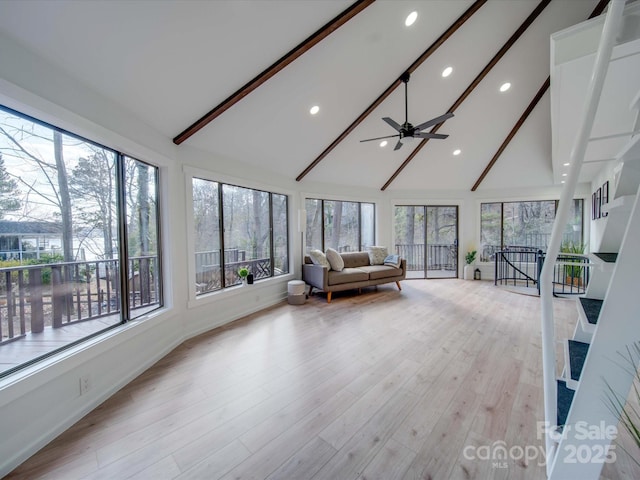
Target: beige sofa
{"x":357,"y":273}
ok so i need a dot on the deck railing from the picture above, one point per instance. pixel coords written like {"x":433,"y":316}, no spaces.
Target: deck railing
{"x":439,"y":256}
{"x":521,"y":266}
{"x":208,"y":269}
{"x":59,"y":294}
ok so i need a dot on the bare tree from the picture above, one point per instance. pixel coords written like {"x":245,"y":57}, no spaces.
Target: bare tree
{"x":9,"y":192}
{"x":93,"y":183}
{"x":54,"y":192}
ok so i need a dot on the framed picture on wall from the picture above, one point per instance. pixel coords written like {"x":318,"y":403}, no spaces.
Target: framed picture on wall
{"x":605,"y":196}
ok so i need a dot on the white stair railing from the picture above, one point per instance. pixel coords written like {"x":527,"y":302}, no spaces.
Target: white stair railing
{"x":603,"y":56}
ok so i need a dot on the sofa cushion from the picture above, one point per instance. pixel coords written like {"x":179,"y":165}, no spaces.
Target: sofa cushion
{"x":335,"y":260}
{"x":347,"y":275}
{"x":377,"y":272}
{"x":377,"y":254}
{"x":355,"y":259}
{"x":319,"y":258}
{"x":393,"y":260}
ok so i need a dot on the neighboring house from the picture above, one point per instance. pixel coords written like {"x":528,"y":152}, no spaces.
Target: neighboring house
{"x":28,"y":240}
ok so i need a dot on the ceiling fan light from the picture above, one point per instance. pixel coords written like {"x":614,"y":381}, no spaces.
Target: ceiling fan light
{"x":411,"y":18}
{"x":447,"y":71}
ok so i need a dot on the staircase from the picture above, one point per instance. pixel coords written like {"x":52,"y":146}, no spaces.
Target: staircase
{"x":608,"y":323}
{"x":580,"y":441}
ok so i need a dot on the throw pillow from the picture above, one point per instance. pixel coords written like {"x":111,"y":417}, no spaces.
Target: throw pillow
{"x":319,"y":258}
{"x":392,"y":261}
{"x":377,"y":254}
{"x":335,"y":260}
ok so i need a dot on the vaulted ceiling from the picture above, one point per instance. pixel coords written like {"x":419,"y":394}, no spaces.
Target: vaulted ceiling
{"x":168,"y":63}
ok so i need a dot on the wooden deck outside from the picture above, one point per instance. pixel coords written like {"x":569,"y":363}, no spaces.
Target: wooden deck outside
{"x":34,"y":345}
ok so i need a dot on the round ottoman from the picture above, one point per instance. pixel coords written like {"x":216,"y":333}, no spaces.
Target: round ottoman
{"x":297,"y":292}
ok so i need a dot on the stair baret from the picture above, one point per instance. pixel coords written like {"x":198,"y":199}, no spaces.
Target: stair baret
{"x":589,"y":311}
{"x":576,"y":354}
{"x":565,"y":398}
{"x":603,"y":264}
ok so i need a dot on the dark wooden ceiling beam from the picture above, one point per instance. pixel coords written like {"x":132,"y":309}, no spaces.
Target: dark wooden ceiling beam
{"x":288,"y":58}
{"x":427,"y":53}
{"x":512,"y":40}
{"x":596,"y":11}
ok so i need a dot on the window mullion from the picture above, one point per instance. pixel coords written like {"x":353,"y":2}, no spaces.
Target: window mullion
{"x":272,"y":257}
{"x":123,"y":247}
{"x":221,"y":233}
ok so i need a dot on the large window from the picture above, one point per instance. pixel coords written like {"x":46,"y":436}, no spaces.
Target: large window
{"x":79,"y":239}
{"x":525,"y":225}
{"x":237,"y":227}
{"x":344,"y":226}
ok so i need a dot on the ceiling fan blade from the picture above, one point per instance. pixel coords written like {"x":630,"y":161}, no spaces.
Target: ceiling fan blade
{"x":439,"y":136}
{"x":434,"y":121}
{"x":398,"y":145}
{"x":379,"y":138}
{"x":393,"y":123}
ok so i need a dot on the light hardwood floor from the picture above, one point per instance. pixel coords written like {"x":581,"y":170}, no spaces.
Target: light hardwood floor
{"x":383,"y":385}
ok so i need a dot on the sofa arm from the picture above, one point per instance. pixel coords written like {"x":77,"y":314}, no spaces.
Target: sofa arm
{"x":316,"y":275}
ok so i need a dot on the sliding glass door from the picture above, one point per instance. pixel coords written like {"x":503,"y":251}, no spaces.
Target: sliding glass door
{"x":427,"y":236}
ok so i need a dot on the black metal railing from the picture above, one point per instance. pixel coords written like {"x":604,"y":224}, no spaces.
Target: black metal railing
{"x":439,"y":256}
{"x":570,"y":274}
{"x":517,"y":267}
{"x":209,"y":269}
{"x":58,"y":294}
{"x":521,"y":266}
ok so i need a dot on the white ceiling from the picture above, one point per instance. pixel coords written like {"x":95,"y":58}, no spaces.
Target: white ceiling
{"x":170,"y":62}
{"x":615,"y":119}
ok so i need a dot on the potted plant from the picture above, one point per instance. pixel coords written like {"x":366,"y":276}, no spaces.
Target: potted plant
{"x":469,"y":259}
{"x":573,"y":274}
{"x":243,"y":272}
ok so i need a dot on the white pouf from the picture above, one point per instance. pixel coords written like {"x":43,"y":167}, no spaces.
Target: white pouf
{"x":297,"y":292}
{"x":296,"y":287}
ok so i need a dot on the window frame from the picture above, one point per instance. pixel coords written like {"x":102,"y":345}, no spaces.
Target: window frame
{"x":322,"y":223}
{"x":583,"y":231}
{"x":191,"y":172}
{"x":125,"y":312}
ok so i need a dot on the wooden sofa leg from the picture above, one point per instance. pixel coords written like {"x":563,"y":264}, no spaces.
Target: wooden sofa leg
{"x":398,"y":284}
{"x":329,"y":297}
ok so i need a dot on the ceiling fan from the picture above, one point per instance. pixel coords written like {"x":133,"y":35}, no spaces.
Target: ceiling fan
{"x":406,"y":130}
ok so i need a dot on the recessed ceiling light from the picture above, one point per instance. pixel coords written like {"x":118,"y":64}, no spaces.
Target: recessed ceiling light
{"x":457,"y":151}
{"x":411,"y":18}
{"x":564,"y":174}
{"x":383,"y":143}
{"x":562,"y":181}
{"x":505,"y":86}
{"x":566,"y":164}
{"x":447,"y":71}
{"x":315,"y":109}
